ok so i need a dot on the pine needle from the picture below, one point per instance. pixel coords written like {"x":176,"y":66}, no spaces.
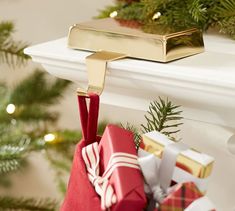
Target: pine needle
{"x":11,"y":52}
{"x":36,"y":89}
{"x":8,"y":203}
{"x":163,"y":116}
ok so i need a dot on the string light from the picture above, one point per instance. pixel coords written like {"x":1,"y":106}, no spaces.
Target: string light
{"x":49,"y":137}
{"x":10,"y":108}
{"x":156,"y":16}
{"x":113,"y":14}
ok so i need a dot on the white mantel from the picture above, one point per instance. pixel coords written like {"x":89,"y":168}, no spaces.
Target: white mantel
{"x":203,"y":84}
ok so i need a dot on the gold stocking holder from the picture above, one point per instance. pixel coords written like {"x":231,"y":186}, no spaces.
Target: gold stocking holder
{"x":96,"y":68}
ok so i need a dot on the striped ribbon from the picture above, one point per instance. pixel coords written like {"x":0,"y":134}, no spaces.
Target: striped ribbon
{"x":102,"y":185}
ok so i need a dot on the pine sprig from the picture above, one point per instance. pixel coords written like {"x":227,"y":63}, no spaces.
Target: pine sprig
{"x":163,"y":116}
{"x":225,"y":14}
{"x":11,"y":52}
{"x":197,"y":10}
{"x":27,"y":204}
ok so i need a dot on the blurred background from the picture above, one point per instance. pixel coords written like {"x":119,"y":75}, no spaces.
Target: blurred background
{"x":36,"y":22}
{"x":41,"y":21}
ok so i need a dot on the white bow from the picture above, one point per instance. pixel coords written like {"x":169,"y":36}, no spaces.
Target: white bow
{"x":102,"y":186}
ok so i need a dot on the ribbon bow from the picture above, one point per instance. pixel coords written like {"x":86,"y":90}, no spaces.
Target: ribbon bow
{"x":102,"y":185}
{"x":159,"y":179}
{"x":158,"y":176}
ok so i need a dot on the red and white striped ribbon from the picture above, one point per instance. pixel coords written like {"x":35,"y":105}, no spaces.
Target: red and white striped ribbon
{"x":102,"y":186}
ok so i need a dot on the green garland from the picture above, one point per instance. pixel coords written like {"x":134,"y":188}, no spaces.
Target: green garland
{"x":155,"y":15}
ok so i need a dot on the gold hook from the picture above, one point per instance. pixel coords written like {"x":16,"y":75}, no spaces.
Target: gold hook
{"x":96,"y":68}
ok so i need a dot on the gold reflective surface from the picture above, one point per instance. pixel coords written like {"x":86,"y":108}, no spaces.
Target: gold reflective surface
{"x":96,"y":68}
{"x":186,"y":163}
{"x":108,"y":35}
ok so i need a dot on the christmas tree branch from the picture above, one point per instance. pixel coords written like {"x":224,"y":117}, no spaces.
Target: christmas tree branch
{"x":29,"y":204}
{"x":44,"y":92}
{"x":11,"y":52}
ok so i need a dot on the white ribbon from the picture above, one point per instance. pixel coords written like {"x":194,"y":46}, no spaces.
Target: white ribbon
{"x":158,"y":175}
{"x":102,"y":186}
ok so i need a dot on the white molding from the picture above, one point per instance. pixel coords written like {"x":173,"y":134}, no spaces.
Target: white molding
{"x":203,"y":84}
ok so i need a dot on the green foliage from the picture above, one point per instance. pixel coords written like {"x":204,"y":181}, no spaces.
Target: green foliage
{"x":177,"y":14}
{"x":22,"y":131}
{"x":131,"y":13}
{"x":12,"y":157}
{"x":22,"y":204}
{"x":106,"y":12}
{"x":164,"y":117}
{"x":11,"y":52}
{"x":225,"y":13}
{"x":13,"y":148}
{"x":44,"y":93}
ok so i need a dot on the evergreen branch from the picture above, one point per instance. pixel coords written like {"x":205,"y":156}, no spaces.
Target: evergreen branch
{"x":225,"y":13}
{"x":12,"y":156}
{"x":160,"y":116}
{"x":10,"y":165}
{"x":105,"y":13}
{"x":131,"y":13}
{"x":176,"y":15}
{"x":27,"y":204}
{"x":227,"y":26}
{"x":34,"y":113}
{"x":197,"y":10}
{"x":225,"y":9}
{"x":35,"y":89}
{"x":11,"y":52}
{"x":6,"y":29}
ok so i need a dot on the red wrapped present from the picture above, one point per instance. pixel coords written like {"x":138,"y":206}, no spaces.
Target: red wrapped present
{"x":185,"y":197}
{"x":118,"y":183}
{"x":127,"y":182}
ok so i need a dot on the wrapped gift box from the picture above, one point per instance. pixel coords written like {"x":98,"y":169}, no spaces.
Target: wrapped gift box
{"x":191,"y":165}
{"x":127,"y":182}
{"x":181,"y":198}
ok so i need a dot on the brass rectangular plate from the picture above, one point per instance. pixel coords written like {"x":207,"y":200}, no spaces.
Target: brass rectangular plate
{"x":108,"y":35}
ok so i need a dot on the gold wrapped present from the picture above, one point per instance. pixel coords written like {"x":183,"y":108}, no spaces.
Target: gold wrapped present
{"x":196,"y":163}
{"x":108,"y":35}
